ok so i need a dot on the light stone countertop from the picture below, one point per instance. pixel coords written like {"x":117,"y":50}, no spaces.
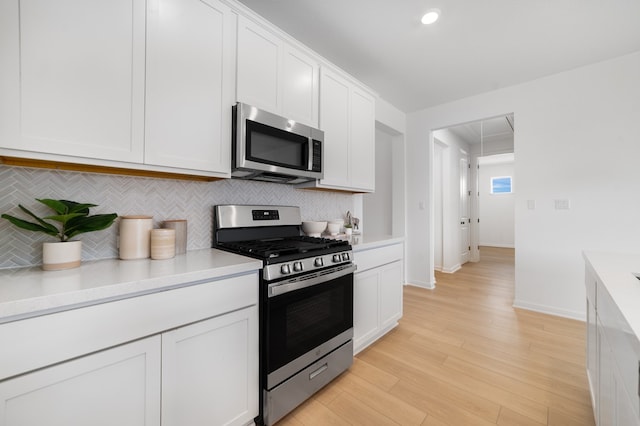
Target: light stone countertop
{"x":366,"y":241}
{"x":28,"y":292}
{"x":616,"y":272}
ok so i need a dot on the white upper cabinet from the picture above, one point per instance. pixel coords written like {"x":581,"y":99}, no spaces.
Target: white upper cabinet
{"x":334,"y":121}
{"x":275,"y":76}
{"x":72,"y":77}
{"x":362,"y":159}
{"x":347,"y":117}
{"x":300,"y":86}
{"x":189,"y":84}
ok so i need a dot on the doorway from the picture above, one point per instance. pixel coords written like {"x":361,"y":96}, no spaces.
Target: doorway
{"x":457,"y":154}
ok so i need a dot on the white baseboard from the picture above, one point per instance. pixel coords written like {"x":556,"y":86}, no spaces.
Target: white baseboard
{"x":497,"y":245}
{"x":452,"y":269}
{"x":423,"y":284}
{"x":545,"y":309}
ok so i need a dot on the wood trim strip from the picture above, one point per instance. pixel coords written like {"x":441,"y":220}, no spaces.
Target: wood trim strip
{"x":89,"y":168}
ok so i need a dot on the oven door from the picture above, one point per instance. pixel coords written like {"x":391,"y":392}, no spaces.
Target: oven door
{"x":306,"y":318}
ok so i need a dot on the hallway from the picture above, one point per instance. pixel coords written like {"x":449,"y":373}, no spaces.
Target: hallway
{"x":462,"y":355}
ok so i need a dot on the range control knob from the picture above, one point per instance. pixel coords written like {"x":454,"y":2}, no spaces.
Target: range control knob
{"x":336,"y":258}
{"x":297,"y":266}
{"x":345,"y":256}
{"x":285,"y":269}
{"x":318,"y":262}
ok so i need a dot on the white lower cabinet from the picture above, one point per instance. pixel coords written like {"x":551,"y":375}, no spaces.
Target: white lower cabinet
{"x":119,"y":386}
{"x":207,"y":371}
{"x":613,"y":360}
{"x":377,"y":302}
{"x":187,"y":356}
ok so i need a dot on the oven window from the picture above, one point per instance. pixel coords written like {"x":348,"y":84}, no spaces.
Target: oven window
{"x":299,"y":321}
{"x":278,"y":147}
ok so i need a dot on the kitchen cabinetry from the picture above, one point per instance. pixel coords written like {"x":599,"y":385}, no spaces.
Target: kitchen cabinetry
{"x":377,"y":293}
{"x":189,"y":84}
{"x":613,"y":357}
{"x":276,"y":76}
{"x":119,"y":386}
{"x":207,"y":362}
{"x":347,"y":117}
{"x":72,"y":78}
{"x":76,"y":87}
{"x":95,"y":365}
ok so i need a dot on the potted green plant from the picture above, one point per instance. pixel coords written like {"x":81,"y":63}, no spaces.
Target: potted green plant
{"x":73,"y":219}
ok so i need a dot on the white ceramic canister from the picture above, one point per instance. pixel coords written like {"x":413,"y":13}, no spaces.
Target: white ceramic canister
{"x":163,"y":243}
{"x":135,"y":237}
{"x":180,"y":226}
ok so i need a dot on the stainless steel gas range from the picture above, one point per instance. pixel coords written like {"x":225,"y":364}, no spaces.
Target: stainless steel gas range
{"x":306,"y":302}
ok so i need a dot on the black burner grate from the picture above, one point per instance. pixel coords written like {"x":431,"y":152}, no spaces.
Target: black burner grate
{"x":277,"y":247}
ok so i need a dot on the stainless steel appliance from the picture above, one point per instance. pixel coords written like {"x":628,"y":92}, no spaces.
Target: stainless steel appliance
{"x":306,"y":302}
{"x":271,"y":148}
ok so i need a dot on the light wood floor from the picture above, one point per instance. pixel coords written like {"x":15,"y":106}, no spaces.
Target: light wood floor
{"x":462,"y":355}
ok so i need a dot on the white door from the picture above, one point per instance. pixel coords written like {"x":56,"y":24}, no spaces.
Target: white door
{"x":465,"y":221}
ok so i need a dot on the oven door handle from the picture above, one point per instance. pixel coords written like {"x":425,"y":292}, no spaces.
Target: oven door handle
{"x":309,"y":280}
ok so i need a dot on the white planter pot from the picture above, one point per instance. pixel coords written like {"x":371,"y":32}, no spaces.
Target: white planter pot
{"x":61,"y":255}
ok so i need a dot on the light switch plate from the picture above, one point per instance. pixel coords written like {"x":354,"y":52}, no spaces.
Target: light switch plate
{"x":562,"y":204}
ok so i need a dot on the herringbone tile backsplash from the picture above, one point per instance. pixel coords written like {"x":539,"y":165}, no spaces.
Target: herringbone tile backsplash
{"x":161,"y":198}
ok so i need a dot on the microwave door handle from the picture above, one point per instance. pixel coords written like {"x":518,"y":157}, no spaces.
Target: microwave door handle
{"x":310,"y":153}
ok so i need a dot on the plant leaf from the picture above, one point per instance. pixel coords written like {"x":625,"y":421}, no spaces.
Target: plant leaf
{"x":74,"y":207}
{"x":64,"y":218}
{"x":55,"y":205}
{"x":29,"y":226}
{"x":46,"y":225}
{"x":82,"y":224}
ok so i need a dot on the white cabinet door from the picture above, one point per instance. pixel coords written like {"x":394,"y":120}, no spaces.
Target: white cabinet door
{"x":347,"y":117}
{"x":300,"y":87}
{"x":377,"y":303}
{"x":119,"y":386}
{"x":259,"y":59}
{"x":362,"y":159}
{"x":210,"y":371}
{"x":334,"y":121}
{"x":365,"y":307}
{"x":189,"y":84}
{"x":275,"y":76}
{"x":390,"y":285}
{"x":72,"y":77}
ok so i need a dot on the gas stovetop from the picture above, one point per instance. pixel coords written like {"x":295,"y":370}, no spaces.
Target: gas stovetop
{"x":285,"y":246}
{"x":272,"y":234}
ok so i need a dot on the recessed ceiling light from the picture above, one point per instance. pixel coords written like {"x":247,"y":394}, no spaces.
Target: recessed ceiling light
{"x":431,"y":16}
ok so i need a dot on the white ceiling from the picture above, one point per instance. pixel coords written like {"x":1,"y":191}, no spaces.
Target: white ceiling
{"x":477,"y":45}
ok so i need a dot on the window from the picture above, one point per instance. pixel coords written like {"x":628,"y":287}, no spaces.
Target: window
{"x":501,"y":185}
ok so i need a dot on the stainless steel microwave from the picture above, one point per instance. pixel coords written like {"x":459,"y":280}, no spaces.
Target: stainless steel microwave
{"x":271,"y":148}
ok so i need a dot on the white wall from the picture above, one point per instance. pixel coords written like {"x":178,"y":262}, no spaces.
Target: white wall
{"x":496,"y":211}
{"x":378,"y":205}
{"x":577,"y":137}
